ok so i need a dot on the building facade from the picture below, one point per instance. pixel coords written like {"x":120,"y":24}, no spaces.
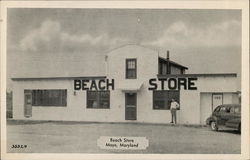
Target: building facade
{"x":137,"y":87}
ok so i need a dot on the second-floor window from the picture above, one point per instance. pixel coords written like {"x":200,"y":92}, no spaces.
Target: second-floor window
{"x":131,"y":68}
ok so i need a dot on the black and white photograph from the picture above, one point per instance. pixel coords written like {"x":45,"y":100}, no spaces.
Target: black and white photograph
{"x":125,"y":81}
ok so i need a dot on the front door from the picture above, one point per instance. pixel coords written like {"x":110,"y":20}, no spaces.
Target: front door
{"x":130,"y":106}
{"x":217,"y":99}
{"x":27,"y":103}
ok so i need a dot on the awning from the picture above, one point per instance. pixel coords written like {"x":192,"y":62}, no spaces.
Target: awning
{"x":130,"y":86}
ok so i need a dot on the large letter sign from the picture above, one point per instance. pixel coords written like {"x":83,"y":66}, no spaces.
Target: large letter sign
{"x":102,"y":84}
{"x":186,"y":83}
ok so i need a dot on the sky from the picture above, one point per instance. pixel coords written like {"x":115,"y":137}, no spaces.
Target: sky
{"x":68,"y":42}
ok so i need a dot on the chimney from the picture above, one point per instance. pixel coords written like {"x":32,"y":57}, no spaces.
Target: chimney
{"x":167,"y":54}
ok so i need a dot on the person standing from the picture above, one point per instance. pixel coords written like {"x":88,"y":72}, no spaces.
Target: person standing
{"x":173,"y":107}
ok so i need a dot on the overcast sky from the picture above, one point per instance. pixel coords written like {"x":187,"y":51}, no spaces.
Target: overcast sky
{"x":67,"y":42}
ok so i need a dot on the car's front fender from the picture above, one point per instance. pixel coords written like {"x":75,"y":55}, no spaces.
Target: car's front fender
{"x":211,"y":119}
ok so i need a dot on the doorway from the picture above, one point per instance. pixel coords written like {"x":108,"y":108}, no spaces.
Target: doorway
{"x":130,"y":106}
{"x":27,"y":103}
{"x":208,"y":102}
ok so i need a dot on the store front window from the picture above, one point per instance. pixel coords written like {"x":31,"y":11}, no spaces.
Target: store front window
{"x":49,"y":97}
{"x":98,"y":99}
{"x":162,"y":99}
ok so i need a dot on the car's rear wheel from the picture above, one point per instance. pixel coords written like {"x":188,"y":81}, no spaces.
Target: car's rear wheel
{"x":214,"y":126}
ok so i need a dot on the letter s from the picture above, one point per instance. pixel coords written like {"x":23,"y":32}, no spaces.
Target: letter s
{"x":152,"y":82}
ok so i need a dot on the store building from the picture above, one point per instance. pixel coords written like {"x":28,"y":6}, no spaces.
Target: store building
{"x":137,"y":87}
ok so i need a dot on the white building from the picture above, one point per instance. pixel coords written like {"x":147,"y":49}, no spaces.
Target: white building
{"x":126,"y":92}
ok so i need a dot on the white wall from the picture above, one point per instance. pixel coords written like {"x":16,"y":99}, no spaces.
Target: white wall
{"x":190,"y":107}
{"x":191,"y":103}
{"x":205,"y":106}
{"x":147,"y":62}
{"x":217,"y":84}
{"x":206,"y":103}
{"x":74,"y":111}
{"x":147,"y":67}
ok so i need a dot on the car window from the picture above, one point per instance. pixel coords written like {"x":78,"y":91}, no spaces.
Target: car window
{"x":237,"y":110}
{"x":223,"y":109}
{"x":231,"y":109}
{"x":228,"y":109}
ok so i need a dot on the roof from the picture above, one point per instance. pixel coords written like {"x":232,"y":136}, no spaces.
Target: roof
{"x":173,"y":63}
{"x":103,"y":77}
{"x":199,"y":75}
{"x":238,"y":105}
{"x":56,"y":78}
{"x":149,"y":48}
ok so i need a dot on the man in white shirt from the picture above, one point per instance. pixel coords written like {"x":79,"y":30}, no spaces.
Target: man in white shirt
{"x":173,"y":107}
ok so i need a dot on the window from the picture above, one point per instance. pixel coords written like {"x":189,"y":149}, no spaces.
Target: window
{"x":163,"y":69}
{"x":237,"y":110}
{"x":231,"y":110}
{"x":131,"y":68}
{"x":50,"y":97}
{"x":223,"y":109}
{"x":162,"y":99}
{"x":98,"y":99}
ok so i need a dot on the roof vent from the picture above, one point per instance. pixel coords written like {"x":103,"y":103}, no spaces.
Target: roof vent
{"x":167,"y":54}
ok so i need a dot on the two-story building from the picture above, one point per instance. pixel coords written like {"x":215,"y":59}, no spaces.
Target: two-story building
{"x":137,"y":87}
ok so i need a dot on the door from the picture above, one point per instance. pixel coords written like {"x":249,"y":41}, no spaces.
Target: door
{"x":217,"y":99}
{"x":130,"y":106}
{"x":234,"y":120}
{"x":27,"y":103}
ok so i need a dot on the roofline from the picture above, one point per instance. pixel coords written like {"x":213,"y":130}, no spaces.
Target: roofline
{"x":220,"y":92}
{"x":55,"y":78}
{"x":103,"y":77}
{"x":230,"y":104}
{"x":174,"y":63}
{"x":130,"y":44}
{"x":146,"y":47}
{"x":199,"y":75}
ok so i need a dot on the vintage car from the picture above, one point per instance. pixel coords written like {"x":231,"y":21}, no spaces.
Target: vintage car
{"x":226,"y":115}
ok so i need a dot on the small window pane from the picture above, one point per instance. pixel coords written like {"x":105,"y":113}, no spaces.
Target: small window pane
{"x":159,"y":95}
{"x":98,"y":99}
{"x":159,"y":104}
{"x":223,"y":109}
{"x":131,"y":64}
{"x":92,"y":95}
{"x":131,"y":73}
{"x":164,"y":68}
{"x":232,"y":110}
{"x":237,"y":110}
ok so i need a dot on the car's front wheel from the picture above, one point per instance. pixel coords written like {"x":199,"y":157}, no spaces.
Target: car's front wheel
{"x":214,"y":126}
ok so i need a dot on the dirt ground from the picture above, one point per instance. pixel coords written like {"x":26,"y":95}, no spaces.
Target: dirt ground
{"x":55,"y":137}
